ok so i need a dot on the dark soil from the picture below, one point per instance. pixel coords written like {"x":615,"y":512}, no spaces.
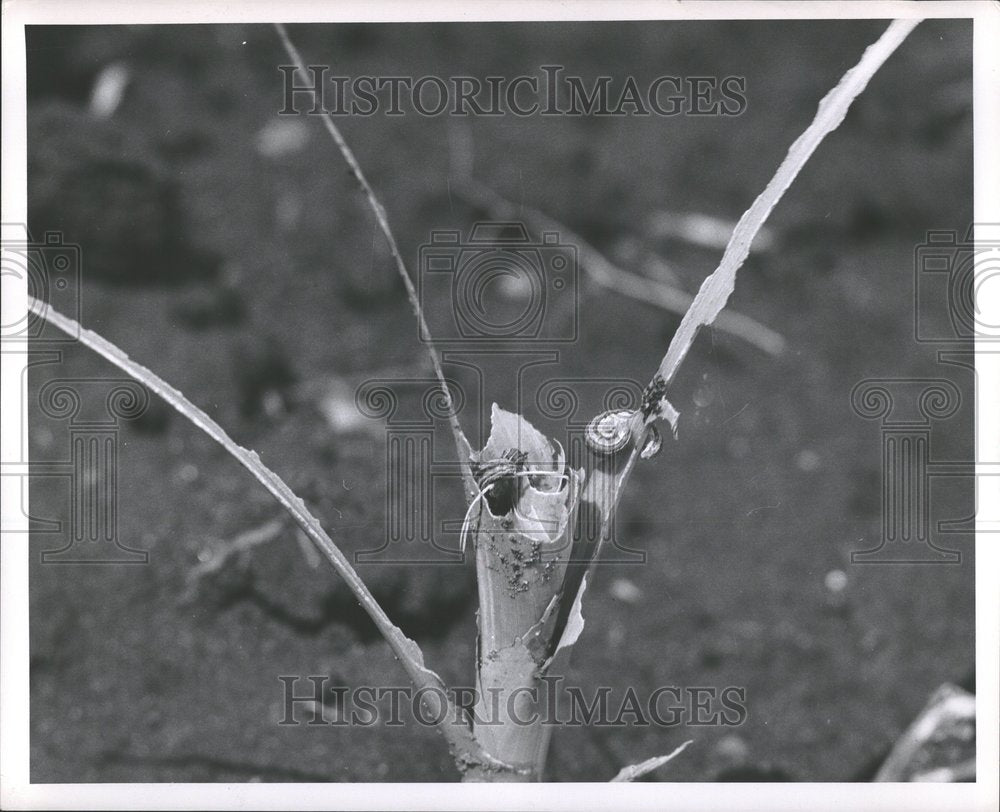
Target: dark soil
{"x":244,"y":280}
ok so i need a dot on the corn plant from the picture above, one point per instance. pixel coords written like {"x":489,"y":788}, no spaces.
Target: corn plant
{"x":535,"y":524}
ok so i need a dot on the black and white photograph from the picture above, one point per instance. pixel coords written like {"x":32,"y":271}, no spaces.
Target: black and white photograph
{"x":402,"y":401}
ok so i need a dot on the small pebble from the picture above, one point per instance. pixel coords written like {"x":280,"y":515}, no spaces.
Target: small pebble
{"x":339,"y":407}
{"x":836,"y":581}
{"x":732,"y":749}
{"x":282,"y":137}
{"x":515,"y":286}
{"x":625,"y":591}
{"x":109,"y":89}
{"x":703,"y":396}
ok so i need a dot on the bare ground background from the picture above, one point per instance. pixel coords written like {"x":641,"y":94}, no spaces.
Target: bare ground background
{"x":244,"y":279}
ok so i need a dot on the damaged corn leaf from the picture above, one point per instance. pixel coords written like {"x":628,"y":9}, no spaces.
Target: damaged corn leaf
{"x":591,"y":524}
{"x":715,"y":290}
{"x":521,"y":521}
{"x":570,"y":633}
{"x":635,"y":771}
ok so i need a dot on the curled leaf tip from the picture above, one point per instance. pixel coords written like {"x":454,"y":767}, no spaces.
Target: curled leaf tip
{"x":635,"y":771}
{"x":670,"y":414}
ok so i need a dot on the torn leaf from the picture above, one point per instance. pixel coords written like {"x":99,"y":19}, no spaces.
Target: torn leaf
{"x":574,"y":625}
{"x":714,"y":292}
{"x":635,"y":771}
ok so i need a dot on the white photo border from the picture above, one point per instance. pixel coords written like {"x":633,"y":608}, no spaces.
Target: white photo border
{"x":16,"y":791}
